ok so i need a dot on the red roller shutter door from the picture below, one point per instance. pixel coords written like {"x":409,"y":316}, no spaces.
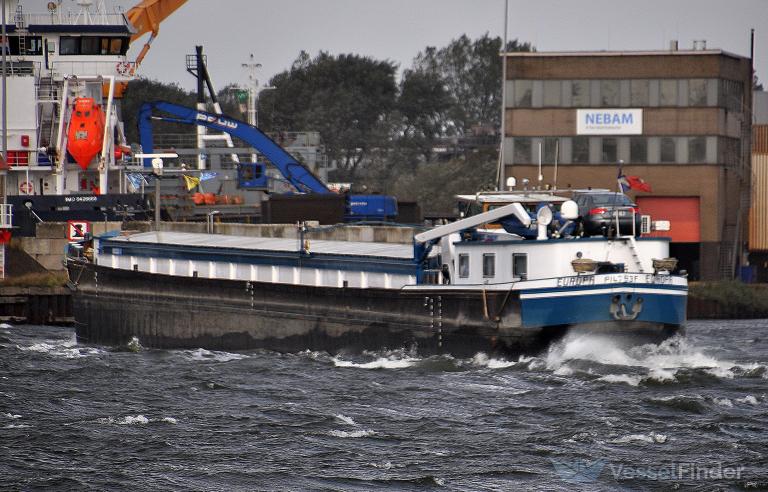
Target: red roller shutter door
{"x":681,"y":212}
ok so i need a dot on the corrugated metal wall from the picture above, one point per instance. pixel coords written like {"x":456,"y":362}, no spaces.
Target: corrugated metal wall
{"x":758,"y":214}
{"x":760,"y":139}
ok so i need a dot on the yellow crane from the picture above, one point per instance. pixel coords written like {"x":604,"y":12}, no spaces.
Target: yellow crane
{"x":146,"y":18}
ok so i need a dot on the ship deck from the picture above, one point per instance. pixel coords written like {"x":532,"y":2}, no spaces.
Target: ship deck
{"x":256,"y":244}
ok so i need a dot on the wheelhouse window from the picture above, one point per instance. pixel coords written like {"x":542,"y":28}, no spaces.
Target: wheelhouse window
{"x":464,"y":265}
{"x":92,"y":45}
{"x":520,"y":265}
{"x":89,"y":46}
{"x":114,"y":46}
{"x":489,"y":265}
{"x":69,"y":45}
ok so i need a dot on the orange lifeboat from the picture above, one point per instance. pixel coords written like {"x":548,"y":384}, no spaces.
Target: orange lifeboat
{"x":86,"y":131}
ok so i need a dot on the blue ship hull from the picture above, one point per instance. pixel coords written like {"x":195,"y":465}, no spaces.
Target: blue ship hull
{"x":657,"y":304}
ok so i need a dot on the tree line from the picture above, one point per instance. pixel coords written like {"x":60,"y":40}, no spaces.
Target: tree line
{"x":427,"y":136}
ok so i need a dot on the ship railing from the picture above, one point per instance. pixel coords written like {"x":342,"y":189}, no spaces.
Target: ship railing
{"x":114,"y":68}
{"x":616,"y":221}
{"x":72,"y":19}
{"x":432,"y":276}
{"x":21,"y":67}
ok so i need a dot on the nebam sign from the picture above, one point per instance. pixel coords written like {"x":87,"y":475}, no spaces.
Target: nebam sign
{"x":609,"y":121}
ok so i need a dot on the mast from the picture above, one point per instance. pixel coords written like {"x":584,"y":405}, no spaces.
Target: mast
{"x":500,"y":171}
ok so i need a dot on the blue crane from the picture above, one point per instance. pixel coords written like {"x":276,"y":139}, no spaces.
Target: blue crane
{"x":359,"y":207}
{"x":295,"y":172}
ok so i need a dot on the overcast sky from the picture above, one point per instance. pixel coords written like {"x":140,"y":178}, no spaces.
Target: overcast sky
{"x":276,"y":31}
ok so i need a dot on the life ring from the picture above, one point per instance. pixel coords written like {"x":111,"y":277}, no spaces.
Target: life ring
{"x":26,"y":187}
{"x":123,"y":68}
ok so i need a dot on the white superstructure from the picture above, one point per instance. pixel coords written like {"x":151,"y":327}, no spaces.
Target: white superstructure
{"x":54,"y":57}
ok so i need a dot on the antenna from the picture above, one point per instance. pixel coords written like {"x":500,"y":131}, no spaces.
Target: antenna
{"x":557,"y":156}
{"x":541,"y":176}
{"x":500,"y":171}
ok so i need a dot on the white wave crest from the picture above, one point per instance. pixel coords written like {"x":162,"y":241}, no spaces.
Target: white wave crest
{"x":11,"y":416}
{"x":481,"y":359}
{"x":723,"y":402}
{"x":356,"y":433}
{"x":389,"y":362}
{"x":17,"y":426}
{"x":651,"y":438}
{"x":563,"y":371}
{"x":345,"y":419}
{"x":749,"y":399}
{"x":631,"y":380}
{"x":5,"y":326}
{"x":202,"y":354}
{"x":660,"y":362}
{"x":127,"y":420}
{"x":65,"y":349}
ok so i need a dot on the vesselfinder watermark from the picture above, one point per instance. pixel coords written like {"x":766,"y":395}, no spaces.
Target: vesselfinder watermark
{"x":585,"y":471}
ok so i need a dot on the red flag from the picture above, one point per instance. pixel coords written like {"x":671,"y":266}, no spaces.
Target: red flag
{"x":636,"y":183}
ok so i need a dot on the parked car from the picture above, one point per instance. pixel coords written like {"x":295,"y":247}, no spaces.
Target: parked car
{"x":600,"y":209}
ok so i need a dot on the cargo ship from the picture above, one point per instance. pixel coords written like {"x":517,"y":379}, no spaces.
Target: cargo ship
{"x":67,"y":155}
{"x":459,"y":288}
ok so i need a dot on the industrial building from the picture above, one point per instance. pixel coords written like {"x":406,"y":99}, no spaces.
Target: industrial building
{"x":758,"y":217}
{"x":679,"y":119}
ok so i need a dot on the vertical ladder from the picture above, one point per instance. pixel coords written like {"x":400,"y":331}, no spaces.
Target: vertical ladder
{"x":633,"y":249}
{"x":21,"y":30}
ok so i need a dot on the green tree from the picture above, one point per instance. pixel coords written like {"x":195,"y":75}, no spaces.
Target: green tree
{"x":143,"y":90}
{"x":347,"y":98}
{"x":422,"y":104}
{"x":471,"y":71}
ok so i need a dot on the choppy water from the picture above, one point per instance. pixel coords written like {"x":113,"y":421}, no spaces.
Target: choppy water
{"x":586,"y":415}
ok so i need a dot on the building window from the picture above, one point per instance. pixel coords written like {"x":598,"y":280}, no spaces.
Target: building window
{"x":697,"y":92}
{"x":552,"y":93}
{"x":609,"y":93}
{"x":731,"y":95}
{"x":668,"y":92}
{"x":464,"y":265}
{"x":523,"y":93}
{"x":638,"y":150}
{"x":580,"y":93}
{"x":639,"y":93}
{"x":520,"y":265}
{"x":522,"y":153}
{"x":697,"y":150}
{"x":610,"y":149}
{"x":580,"y":150}
{"x":489,"y":265}
{"x":551,"y":149}
{"x":668,"y":150}
{"x":729,"y":151}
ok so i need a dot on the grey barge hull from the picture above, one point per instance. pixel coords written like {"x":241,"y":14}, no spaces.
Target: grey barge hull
{"x":112,"y":306}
